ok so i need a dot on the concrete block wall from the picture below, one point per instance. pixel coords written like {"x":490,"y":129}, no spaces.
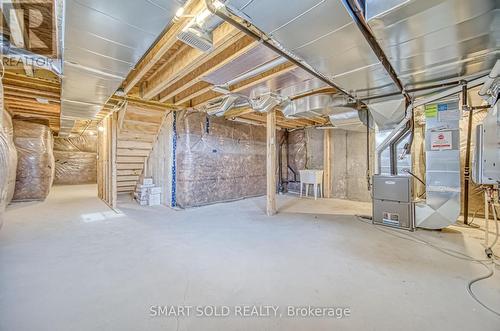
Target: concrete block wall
{"x":349,"y":160}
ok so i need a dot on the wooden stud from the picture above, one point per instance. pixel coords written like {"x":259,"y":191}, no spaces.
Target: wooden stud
{"x":327,"y":163}
{"x":162,"y":47}
{"x":271,"y":162}
{"x":189,"y":60}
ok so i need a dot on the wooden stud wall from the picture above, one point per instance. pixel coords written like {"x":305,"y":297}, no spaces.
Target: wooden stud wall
{"x":106,"y":160}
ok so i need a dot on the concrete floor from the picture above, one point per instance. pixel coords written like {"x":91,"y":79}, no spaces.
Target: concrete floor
{"x":71,"y":264}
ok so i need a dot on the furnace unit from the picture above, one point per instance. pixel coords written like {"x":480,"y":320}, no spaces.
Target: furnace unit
{"x":392,"y":201}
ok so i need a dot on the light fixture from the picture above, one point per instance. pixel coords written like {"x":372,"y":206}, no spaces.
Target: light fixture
{"x":180,"y":14}
{"x":217,"y":4}
{"x":42,"y":101}
{"x":100,"y":128}
{"x":120,"y":92}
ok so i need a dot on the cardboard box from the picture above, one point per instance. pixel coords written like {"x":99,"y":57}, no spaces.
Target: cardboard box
{"x":154,"y":190}
{"x":146,"y":181}
{"x":154,"y":200}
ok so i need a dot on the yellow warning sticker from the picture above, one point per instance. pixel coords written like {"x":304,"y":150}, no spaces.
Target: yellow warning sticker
{"x":431,"y":111}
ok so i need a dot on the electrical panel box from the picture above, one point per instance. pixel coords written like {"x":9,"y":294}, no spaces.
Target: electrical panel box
{"x":392,"y":201}
{"x":491,"y":145}
{"x":478,"y":161}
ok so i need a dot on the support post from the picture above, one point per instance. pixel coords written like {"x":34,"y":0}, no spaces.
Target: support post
{"x":114,"y":139}
{"x":271,"y":162}
{"x":327,"y":163}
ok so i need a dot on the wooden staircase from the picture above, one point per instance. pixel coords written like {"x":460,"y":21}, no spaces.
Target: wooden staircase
{"x":138,"y":129}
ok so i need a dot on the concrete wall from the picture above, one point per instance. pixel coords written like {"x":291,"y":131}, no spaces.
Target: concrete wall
{"x":305,"y":151}
{"x":339,"y":165}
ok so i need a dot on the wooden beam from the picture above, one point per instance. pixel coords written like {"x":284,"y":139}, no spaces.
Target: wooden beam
{"x":9,"y":94}
{"x":237,"y":112}
{"x":29,"y":92}
{"x":327,"y":163}
{"x":271,"y":162}
{"x":189,"y":60}
{"x":164,"y":44}
{"x":231,"y":49}
{"x":193,"y":92}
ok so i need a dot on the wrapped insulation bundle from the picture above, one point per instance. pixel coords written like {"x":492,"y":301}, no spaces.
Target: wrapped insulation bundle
{"x":8,"y":163}
{"x":76,"y":160}
{"x":35,"y":170}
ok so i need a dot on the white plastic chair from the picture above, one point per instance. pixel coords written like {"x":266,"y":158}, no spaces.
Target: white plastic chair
{"x":311,"y":177}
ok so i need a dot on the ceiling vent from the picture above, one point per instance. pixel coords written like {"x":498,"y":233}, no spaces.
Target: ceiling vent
{"x":221,"y":106}
{"x":198,"y":33}
{"x":266,"y":102}
{"x":195,"y":36}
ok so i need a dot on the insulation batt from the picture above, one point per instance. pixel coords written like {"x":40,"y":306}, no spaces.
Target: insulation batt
{"x":223,"y":162}
{"x":8,"y":163}
{"x":76,"y":160}
{"x":35,"y":170}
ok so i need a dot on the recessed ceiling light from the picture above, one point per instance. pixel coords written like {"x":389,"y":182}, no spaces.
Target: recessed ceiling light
{"x":42,"y":101}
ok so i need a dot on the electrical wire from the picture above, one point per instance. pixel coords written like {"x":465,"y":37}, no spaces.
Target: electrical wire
{"x":414,"y":176}
{"x":496,"y":226}
{"x":472,"y":282}
{"x":452,"y":253}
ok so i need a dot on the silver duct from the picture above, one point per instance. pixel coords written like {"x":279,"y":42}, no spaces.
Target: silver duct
{"x":221,"y":106}
{"x":198,"y":32}
{"x":387,"y":114}
{"x":443,"y":187}
{"x":349,"y":119}
{"x":265,"y":102}
{"x":316,"y":105}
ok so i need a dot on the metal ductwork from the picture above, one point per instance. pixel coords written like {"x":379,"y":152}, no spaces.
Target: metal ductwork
{"x":428,"y":41}
{"x":388,"y":114}
{"x":103,"y":41}
{"x":314,"y":106}
{"x":220,"y":106}
{"x":349,"y":119}
{"x":443,"y":187}
{"x":265,"y":102}
{"x":198,"y":33}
